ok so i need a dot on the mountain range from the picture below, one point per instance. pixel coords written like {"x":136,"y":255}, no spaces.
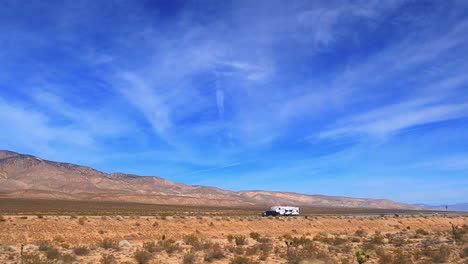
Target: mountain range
{"x":30,"y":177}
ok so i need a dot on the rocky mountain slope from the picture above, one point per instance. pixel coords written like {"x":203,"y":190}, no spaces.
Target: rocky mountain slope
{"x":25,"y":176}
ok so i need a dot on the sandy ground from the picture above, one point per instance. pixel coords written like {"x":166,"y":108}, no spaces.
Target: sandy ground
{"x":60,"y":230}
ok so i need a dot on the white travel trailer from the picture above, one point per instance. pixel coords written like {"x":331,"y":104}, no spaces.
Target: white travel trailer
{"x":285,"y":210}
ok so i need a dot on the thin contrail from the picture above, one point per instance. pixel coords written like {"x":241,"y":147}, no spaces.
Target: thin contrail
{"x":212,"y":169}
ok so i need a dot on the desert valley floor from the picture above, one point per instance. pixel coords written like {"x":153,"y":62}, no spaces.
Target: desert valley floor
{"x":231,"y":237}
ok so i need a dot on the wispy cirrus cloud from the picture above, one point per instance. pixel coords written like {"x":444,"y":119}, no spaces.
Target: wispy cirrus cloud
{"x":179,"y":89}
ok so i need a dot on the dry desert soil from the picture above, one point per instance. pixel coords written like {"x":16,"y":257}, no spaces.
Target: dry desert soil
{"x":206,"y":238}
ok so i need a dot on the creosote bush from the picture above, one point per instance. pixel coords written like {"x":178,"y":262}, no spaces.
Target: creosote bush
{"x":242,"y":260}
{"x":52,"y":253}
{"x":254,"y":235}
{"x":213,"y":253}
{"x":108,"y":243}
{"x":240,"y":240}
{"x":142,"y":256}
{"x":189,"y":258}
{"x":107,"y":259}
{"x":151,"y":247}
{"x":44,"y":245}
{"x":81,"y":250}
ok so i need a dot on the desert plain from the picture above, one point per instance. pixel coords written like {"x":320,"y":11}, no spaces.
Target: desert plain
{"x":230,"y":236}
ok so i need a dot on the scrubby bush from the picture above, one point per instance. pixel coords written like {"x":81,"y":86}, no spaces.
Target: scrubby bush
{"x":377,"y":239}
{"x":464,"y":253}
{"x":142,"y":256}
{"x":82,"y":220}
{"x":107,"y":259}
{"x":169,"y":246}
{"x":2,"y":219}
{"x":421,"y":231}
{"x":67,"y":258}
{"x":440,"y":255}
{"x":360,"y":233}
{"x":189,"y":258}
{"x":240,"y":240}
{"x":32,"y":258}
{"x":458,"y":234}
{"x":213,"y":253}
{"x":44,"y":245}
{"x":384,"y":257}
{"x":52,"y":253}
{"x":191,"y":239}
{"x":151,"y":247}
{"x":108,"y":243}
{"x":81,"y":250}
{"x":361,"y":256}
{"x":400,"y":257}
{"x":254,"y":235}
{"x":242,"y":260}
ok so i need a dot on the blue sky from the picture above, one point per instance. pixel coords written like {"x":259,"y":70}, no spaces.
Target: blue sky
{"x":352,"y":98}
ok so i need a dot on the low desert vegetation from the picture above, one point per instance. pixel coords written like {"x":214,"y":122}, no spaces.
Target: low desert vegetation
{"x":250,"y":240}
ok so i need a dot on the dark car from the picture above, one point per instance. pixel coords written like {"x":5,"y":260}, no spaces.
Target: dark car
{"x":270,"y":213}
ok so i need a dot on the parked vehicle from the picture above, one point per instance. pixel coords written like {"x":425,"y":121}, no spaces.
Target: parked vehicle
{"x":282,"y":210}
{"x":270,"y":213}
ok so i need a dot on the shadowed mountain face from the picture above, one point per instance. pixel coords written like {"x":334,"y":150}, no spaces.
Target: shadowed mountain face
{"x":25,"y":176}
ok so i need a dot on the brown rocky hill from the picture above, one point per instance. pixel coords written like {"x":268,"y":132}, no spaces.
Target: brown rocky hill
{"x":25,"y":176}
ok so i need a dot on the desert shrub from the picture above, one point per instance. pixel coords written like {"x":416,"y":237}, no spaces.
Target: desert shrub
{"x":242,"y":260}
{"x":398,"y":241}
{"x":107,"y":243}
{"x":319,"y":237}
{"x":191,"y":240}
{"x":230,"y":238}
{"x":464,"y":253}
{"x":307,"y":252}
{"x":65,"y":245}
{"x":240,"y":240}
{"x":189,"y":258}
{"x":383,"y":256}
{"x":44,"y":245}
{"x":377,"y":239}
{"x":73,"y":216}
{"x":107,"y":259}
{"x":360,"y":233}
{"x":437,"y":255}
{"x":81,"y":250}
{"x":82,"y":220}
{"x":262,"y":249}
{"x":2,"y":219}
{"x":213,"y":253}
{"x":67,"y":258}
{"x":142,"y":256}
{"x":103,"y":217}
{"x":59,"y":239}
{"x":301,"y":240}
{"x":40,"y":216}
{"x":421,"y":231}
{"x":254,"y":235}
{"x":401,"y":258}
{"x":169,"y":246}
{"x":151,"y":247}
{"x":31,"y":258}
{"x":458,"y":233}
{"x":52,"y":253}
{"x":361,"y":256}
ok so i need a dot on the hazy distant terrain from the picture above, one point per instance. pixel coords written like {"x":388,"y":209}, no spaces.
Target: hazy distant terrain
{"x":451,"y":207}
{"x":25,"y":176}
